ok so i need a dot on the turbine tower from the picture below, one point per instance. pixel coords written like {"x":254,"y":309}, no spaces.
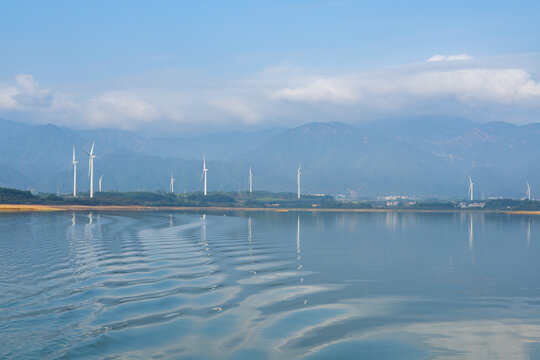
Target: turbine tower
{"x":528,"y":191}
{"x":204,"y":171}
{"x":171,"y":185}
{"x":100,"y":179}
{"x":91,"y":158}
{"x":74,"y":166}
{"x":471,"y":189}
{"x":250,"y":180}
{"x":298,"y":173}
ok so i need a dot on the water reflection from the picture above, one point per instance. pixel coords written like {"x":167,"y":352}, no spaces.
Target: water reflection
{"x":471,"y":232}
{"x":250,"y":237}
{"x":528,"y":232}
{"x":88,"y":227}
{"x":175,"y":285}
{"x":391,"y":220}
{"x":298,"y":255}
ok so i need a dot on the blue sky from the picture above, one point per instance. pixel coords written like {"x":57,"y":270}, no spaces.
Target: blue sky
{"x":239,"y":64}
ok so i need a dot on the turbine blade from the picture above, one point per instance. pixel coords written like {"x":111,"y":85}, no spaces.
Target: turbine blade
{"x":202,"y":174}
{"x":92,"y":150}
{"x":73,"y":153}
{"x":87,"y":153}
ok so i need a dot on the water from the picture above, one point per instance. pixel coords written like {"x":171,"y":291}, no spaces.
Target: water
{"x":269,"y":285}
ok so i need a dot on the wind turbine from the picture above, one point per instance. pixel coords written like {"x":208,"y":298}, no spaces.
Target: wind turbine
{"x":298,"y":173}
{"x":528,"y":191}
{"x":171,"y":185}
{"x":471,"y":189}
{"x":100,"y":179}
{"x":250,"y":180}
{"x":74,"y":166}
{"x":204,"y":171}
{"x":91,"y":158}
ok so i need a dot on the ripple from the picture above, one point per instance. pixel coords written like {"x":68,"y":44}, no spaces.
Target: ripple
{"x":168,"y":285}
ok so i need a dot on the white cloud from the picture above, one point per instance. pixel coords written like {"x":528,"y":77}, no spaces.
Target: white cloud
{"x":236,"y":108}
{"x":322,"y":89}
{"x":24,"y":92}
{"x":119,"y":110}
{"x":7,"y":97}
{"x":498,"y":86}
{"x":478,"y":89}
{"x":491,"y":85}
{"x":113,"y":109}
{"x":438,"y":57}
{"x":26,"y":84}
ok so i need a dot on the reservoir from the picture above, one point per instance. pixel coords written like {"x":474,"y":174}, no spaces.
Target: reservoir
{"x":269,"y":285}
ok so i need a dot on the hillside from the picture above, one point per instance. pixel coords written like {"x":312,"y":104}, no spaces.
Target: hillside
{"x":425,"y":157}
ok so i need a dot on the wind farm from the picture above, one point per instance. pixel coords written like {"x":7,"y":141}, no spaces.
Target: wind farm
{"x":171,"y":185}
{"x":265,"y":199}
{"x":298,"y":173}
{"x":203,"y":174}
{"x":250,"y":180}
{"x":91,"y":158}
{"x":74,"y":167}
{"x":470,"y":192}
{"x":367,"y":186}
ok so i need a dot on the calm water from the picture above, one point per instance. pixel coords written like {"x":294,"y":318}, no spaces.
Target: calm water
{"x":269,"y":285}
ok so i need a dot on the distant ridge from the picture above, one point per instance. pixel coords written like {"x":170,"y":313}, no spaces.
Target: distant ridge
{"x":424,"y":156}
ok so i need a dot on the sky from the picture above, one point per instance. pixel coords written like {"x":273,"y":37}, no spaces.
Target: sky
{"x":173,"y":67}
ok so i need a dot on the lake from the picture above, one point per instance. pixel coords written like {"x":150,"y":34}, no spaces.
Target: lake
{"x":269,"y":285}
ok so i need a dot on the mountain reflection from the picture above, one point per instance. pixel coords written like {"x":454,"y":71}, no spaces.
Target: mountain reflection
{"x":287,"y":285}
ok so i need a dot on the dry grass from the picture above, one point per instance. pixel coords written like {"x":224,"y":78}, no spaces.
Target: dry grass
{"x":23,"y":208}
{"x":523,"y":212}
{"x":19,"y":208}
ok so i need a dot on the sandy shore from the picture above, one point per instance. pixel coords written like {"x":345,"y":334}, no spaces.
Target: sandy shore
{"x":26,"y":208}
{"x":18,"y":208}
{"x":523,"y":212}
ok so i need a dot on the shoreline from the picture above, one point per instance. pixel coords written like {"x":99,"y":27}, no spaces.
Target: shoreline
{"x":10,"y":208}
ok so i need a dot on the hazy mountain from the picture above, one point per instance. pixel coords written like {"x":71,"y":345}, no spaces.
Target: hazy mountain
{"x":422,"y":156}
{"x":11,"y":128}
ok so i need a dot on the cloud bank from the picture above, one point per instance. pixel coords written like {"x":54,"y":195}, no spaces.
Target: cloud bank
{"x":115,"y":109}
{"x":469,"y":86}
{"x":283,"y":95}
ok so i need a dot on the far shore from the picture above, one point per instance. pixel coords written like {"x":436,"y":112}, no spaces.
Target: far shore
{"x":36,"y":208}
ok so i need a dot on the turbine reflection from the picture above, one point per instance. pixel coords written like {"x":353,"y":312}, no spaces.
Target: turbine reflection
{"x":298,"y":255}
{"x":529,"y":233}
{"x":249,"y":237}
{"x":471,"y":233}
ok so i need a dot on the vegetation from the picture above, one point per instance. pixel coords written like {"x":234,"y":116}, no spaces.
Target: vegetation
{"x":13,"y":196}
{"x":257,"y":199}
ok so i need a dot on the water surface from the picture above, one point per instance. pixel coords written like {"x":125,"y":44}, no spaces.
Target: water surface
{"x":269,"y":285}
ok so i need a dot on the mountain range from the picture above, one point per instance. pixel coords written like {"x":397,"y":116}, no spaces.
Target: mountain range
{"x":423,"y":157}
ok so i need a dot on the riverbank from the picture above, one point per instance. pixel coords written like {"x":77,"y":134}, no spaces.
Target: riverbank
{"x":37,"y":208}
